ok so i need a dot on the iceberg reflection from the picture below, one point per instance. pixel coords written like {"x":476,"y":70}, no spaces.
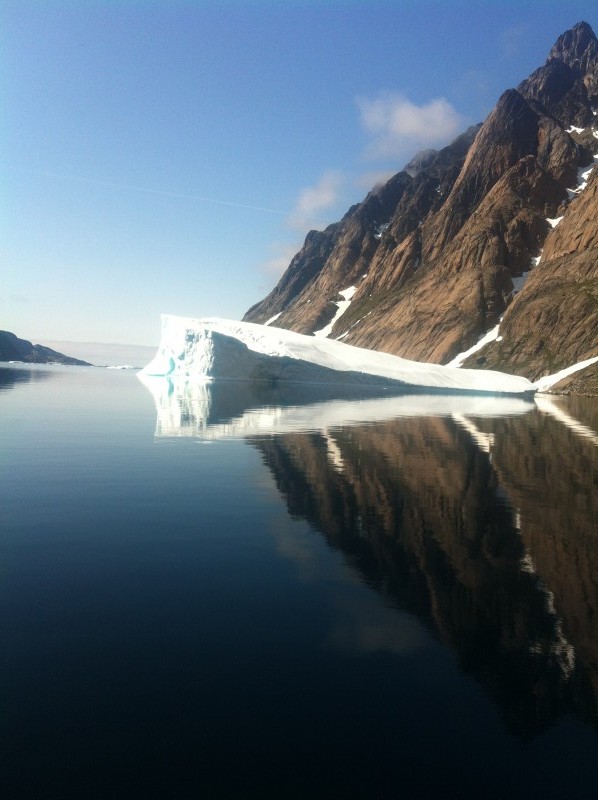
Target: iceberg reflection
{"x":225,"y":409}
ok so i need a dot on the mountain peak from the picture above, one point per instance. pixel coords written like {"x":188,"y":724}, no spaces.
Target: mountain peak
{"x":567,"y":84}
{"x":576,"y":47}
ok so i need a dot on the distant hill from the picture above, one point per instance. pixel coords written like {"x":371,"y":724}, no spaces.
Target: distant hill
{"x":14,"y":349}
{"x":500,"y":227}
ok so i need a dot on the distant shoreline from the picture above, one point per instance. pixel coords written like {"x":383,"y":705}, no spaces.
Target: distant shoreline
{"x":105,"y":354}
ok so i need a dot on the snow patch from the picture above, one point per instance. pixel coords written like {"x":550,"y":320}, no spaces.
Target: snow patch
{"x":554,"y":221}
{"x":548,"y":381}
{"x":273,"y":319}
{"x":520,"y":280}
{"x":518,"y":284}
{"x":342,"y":306}
{"x":583,"y":173}
{"x":572,"y":128}
{"x":488,"y":337}
{"x":380,"y":229}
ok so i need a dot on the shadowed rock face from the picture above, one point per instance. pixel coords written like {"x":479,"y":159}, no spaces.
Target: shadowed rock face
{"x":434,"y":252}
{"x":567,"y":85}
{"x":472,"y":539}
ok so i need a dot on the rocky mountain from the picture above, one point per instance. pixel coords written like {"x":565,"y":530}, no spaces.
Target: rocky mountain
{"x":441,"y":253}
{"x":14,"y":349}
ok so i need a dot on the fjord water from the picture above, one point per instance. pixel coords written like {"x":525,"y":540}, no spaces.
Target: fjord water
{"x":229,"y":592}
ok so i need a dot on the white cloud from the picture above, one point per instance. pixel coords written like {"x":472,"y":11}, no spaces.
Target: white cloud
{"x":313,"y":200}
{"x":398,"y":125}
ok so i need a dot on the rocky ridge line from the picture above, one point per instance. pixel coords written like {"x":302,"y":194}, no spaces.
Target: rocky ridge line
{"x":440,"y":252}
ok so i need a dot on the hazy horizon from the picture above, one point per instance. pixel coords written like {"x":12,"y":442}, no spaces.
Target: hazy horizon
{"x":103,"y":353}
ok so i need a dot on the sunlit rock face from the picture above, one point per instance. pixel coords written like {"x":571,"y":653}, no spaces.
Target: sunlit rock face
{"x":553,"y":321}
{"x":440,"y":253}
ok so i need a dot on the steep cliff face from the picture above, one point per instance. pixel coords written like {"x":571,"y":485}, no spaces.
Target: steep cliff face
{"x":553,"y":321}
{"x":439,"y":253}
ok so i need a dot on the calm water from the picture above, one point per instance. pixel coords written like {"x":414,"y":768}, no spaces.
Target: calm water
{"x":226,"y":593}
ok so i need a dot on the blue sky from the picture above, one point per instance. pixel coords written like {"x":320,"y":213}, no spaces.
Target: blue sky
{"x":171,"y":156}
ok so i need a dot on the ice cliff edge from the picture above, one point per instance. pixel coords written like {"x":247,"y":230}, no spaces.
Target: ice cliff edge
{"x":220,"y":349}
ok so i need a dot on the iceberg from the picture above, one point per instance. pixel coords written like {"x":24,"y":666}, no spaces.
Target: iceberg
{"x":214,"y":349}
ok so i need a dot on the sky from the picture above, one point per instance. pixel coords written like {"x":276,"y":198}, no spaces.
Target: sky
{"x":170,"y":157}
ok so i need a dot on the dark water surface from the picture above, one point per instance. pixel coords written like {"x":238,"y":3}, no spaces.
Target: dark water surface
{"x":229,"y":592}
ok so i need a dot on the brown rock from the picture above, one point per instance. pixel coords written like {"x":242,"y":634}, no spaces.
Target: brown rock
{"x":553,"y":321}
{"x":434,"y":252}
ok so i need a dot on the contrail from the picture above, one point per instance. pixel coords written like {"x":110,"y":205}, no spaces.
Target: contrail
{"x":162,"y":192}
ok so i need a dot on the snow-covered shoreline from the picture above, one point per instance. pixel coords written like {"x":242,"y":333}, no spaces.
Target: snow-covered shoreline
{"x":218,"y":349}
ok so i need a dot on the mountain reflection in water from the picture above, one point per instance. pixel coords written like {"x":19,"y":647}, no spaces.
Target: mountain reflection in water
{"x":477,"y":515}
